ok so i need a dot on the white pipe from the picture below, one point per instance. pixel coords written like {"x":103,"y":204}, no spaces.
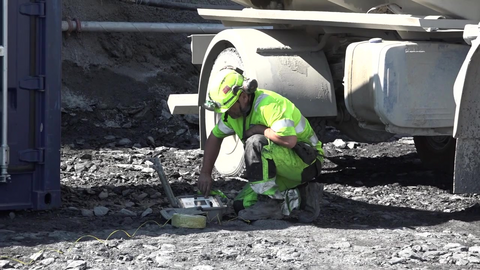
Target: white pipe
{"x":191,"y":28}
{"x":4,"y":158}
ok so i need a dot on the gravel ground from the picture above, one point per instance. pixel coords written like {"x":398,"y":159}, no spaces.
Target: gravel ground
{"x":381,"y":208}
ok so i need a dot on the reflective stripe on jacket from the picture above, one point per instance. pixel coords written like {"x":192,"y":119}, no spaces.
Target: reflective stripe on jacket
{"x":276,"y":112}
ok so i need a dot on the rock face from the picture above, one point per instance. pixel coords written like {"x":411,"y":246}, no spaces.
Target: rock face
{"x":115,"y":85}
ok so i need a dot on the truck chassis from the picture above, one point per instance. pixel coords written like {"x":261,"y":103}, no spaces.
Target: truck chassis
{"x":370,"y":68}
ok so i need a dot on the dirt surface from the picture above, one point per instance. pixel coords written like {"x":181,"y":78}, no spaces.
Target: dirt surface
{"x":118,"y":83}
{"x":381,"y":208}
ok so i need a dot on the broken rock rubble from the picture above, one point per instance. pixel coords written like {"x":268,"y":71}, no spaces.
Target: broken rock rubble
{"x":353,"y":208}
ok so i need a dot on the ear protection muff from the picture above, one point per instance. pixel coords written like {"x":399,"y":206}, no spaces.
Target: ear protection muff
{"x":249,"y":85}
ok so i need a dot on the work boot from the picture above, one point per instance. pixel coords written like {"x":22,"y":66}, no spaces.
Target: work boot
{"x":263,"y":209}
{"x":311,"y":195}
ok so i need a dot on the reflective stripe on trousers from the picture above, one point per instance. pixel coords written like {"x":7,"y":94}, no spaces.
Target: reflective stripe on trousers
{"x":272,"y":170}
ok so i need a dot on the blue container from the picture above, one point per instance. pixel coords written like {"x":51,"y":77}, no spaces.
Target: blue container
{"x":34,"y":83}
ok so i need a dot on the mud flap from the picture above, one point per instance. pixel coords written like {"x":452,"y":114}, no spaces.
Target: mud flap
{"x":467,"y":120}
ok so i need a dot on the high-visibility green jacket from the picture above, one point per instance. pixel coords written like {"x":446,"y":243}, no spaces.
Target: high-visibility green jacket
{"x":276,"y":112}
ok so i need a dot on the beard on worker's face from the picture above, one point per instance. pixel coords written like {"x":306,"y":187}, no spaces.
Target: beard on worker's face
{"x":238,"y":111}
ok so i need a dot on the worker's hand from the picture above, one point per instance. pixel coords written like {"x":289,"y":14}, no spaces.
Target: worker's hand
{"x":205,"y":183}
{"x":255,"y":129}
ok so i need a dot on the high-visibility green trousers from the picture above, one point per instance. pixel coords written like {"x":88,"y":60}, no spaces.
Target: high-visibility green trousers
{"x":274,"y":171}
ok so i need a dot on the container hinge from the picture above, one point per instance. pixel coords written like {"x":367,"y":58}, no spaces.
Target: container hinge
{"x":33,"y":9}
{"x":33,"y":83}
{"x":32,"y":155}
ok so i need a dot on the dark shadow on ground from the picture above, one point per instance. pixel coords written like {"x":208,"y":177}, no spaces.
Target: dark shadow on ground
{"x":342,"y":213}
{"x":337,"y":213}
{"x":369,"y":172}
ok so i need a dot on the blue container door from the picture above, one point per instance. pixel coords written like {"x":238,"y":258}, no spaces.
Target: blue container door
{"x":34,"y":83}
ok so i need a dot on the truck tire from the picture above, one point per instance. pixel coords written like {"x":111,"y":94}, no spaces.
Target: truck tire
{"x":436,"y":152}
{"x":230,"y":161}
{"x":318,"y":125}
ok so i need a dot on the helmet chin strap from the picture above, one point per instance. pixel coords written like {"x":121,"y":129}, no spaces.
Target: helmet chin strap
{"x":245,"y":112}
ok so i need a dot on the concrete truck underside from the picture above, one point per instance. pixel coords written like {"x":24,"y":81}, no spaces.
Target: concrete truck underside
{"x":466,"y":9}
{"x":385,"y":73}
{"x":330,"y":21}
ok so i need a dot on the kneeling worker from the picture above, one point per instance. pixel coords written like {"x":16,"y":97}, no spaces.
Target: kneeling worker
{"x":282,"y":153}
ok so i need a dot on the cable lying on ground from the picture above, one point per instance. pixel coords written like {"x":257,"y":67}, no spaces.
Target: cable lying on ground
{"x":103,"y":241}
